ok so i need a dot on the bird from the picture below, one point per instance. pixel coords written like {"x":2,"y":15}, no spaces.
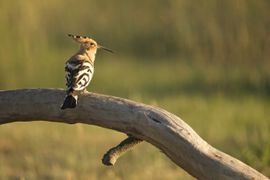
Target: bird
{"x":79,"y":69}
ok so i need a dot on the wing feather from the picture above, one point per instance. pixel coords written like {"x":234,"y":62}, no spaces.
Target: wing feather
{"x":78,"y":74}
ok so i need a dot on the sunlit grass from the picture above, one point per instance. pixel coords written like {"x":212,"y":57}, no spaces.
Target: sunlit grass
{"x":58,"y":151}
{"x":42,"y":150}
{"x":230,"y":121}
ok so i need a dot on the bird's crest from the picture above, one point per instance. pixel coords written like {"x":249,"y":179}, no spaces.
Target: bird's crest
{"x":80,"y":39}
{"x":87,"y":43}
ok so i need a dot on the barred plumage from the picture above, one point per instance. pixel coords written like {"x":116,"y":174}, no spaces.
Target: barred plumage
{"x":78,"y":74}
{"x":80,"y":69}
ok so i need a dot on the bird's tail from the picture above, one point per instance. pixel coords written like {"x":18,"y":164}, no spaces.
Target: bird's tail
{"x":70,"y":101}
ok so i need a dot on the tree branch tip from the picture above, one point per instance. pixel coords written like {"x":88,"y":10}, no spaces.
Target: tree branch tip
{"x":108,"y":159}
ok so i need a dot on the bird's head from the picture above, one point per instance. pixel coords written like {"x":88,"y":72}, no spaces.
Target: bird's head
{"x":87,"y":44}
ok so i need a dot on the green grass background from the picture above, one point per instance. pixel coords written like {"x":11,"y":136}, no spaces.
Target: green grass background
{"x":205,"y":61}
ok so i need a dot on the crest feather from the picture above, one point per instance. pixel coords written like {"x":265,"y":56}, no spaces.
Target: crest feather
{"x":79,"y":39}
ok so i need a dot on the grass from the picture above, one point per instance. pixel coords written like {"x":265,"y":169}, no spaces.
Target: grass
{"x":54,"y":151}
{"x":235,"y":123}
{"x":44,"y":150}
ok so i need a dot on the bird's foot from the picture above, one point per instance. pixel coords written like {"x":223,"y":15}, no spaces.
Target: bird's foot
{"x":84,"y":91}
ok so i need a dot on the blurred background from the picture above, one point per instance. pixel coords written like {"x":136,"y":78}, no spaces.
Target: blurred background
{"x":205,"y":61}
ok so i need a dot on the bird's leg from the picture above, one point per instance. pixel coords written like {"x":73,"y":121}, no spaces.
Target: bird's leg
{"x":84,"y":91}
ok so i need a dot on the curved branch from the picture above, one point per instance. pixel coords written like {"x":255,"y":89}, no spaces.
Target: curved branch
{"x":111,"y":156}
{"x":162,"y":129}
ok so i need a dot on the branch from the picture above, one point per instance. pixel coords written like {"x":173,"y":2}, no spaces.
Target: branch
{"x":162,"y":129}
{"x":114,"y":153}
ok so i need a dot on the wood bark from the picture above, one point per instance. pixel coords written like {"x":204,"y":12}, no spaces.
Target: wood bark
{"x":162,"y":129}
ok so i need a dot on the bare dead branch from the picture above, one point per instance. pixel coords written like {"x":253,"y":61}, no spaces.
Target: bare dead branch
{"x":111,"y":156}
{"x":162,"y":129}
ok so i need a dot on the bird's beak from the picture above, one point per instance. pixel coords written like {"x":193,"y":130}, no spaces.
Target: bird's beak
{"x":106,"y":49}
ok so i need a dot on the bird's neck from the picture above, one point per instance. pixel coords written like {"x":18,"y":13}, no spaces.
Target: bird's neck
{"x":89,"y":55}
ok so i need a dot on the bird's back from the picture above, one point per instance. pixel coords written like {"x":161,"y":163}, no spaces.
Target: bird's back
{"x":79,"y":72}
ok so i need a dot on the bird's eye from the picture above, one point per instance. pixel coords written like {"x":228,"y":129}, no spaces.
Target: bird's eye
{"x":92,"y":44}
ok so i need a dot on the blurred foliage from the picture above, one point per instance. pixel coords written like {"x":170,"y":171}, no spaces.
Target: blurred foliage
{"x":206,"y":61}
{"x":208,"y":31}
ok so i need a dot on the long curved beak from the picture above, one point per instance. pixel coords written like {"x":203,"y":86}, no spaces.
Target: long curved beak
{"x":104,"y":48}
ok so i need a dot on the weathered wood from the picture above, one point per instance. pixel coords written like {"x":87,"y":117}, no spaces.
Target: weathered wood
{"x":162,"y":129}
{"x":114,"y":153}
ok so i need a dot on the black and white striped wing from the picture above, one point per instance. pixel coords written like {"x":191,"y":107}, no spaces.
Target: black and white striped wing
{"x":78,"y":75}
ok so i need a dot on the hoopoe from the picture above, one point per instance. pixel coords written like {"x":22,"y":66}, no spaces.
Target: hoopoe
{"x":80,"y":69}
